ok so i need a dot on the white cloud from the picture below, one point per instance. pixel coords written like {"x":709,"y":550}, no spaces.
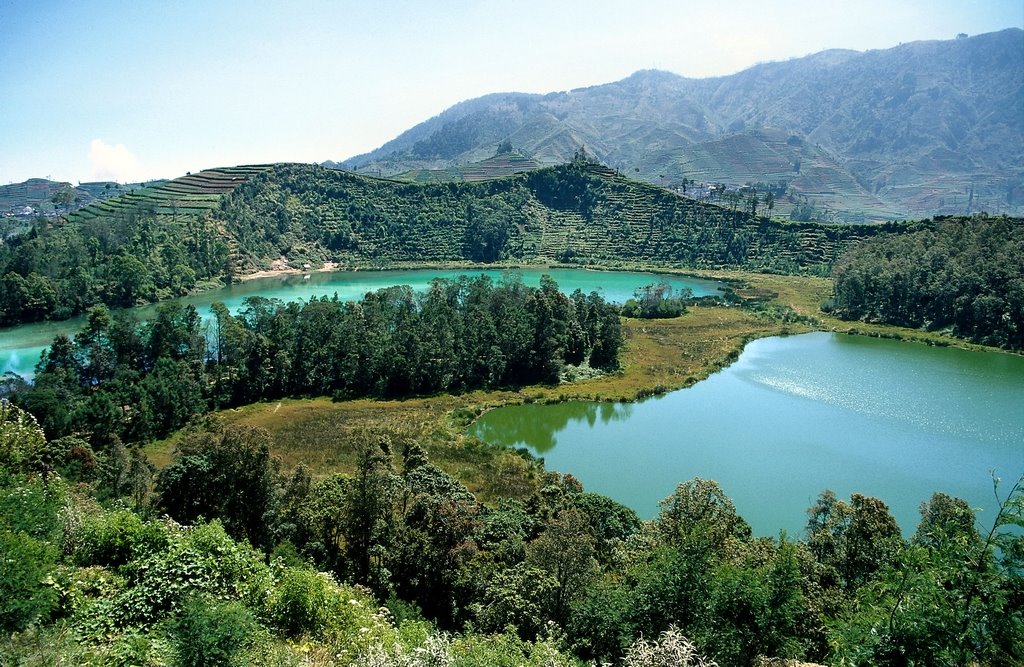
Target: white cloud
{"x":113,"y":163}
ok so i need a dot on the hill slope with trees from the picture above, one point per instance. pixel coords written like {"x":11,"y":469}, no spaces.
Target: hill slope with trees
{"x":191,"y":234}
{"x":398,"y":564}
{"x":966,"y":276}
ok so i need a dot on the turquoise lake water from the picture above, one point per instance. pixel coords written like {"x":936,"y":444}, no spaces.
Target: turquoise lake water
{"x":794,"y":416}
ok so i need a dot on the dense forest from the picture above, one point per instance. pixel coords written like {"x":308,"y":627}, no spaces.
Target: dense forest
{"x":962,"y":275}
{"x":121,"y":380}
{"x":230,"y":559}
{"x":145,"y":248}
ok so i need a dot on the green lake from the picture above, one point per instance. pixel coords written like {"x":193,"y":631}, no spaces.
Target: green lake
{"x":21,"y":346}
{"x":794,"y":416}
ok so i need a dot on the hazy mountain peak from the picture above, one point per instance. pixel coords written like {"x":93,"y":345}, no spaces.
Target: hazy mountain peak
{"x":914,"y":130}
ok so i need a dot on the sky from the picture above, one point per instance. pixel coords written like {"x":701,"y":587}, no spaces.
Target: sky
{"x":110,"y":90}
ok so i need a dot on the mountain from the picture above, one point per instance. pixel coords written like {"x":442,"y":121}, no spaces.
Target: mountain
{"x":920,"y":129}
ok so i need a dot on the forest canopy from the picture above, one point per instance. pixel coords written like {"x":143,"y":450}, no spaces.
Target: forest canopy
{"x":119,"y":378}
{"x":965,"y":276}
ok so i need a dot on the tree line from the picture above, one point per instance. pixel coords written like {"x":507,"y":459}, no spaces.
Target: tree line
{"x":121,"y":379}
{"x":397,"y":559}
{"x":961,"y":275}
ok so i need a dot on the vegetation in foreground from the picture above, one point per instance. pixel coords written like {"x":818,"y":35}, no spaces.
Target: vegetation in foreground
{"x":397,"y":563}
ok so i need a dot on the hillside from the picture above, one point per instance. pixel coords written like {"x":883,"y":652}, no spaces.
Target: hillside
{"x":36,"y":196}
{"x":200,"y":230}
{"x":505,"y":162}
{"x":921,"y":129}
{"x":579,"y":212}
{"x":142,"y":246}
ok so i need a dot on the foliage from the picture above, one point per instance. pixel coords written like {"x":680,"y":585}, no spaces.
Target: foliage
{"x":25,"y":597}
{"x":119,"y":381}
{"x":224,"y":474}
{"x":656,"y":301}
{"x":670,"y":649}
{"x":700,"y":509}
{"x":965,"y":275}
{"x":206,"y":633}
{"x":952,"y":598}
{"x":22,"y":442}
{"x":304,"y":602}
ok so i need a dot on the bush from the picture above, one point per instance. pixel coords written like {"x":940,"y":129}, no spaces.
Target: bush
{"x":202,"y":560}
{"x":115,"y":538}
{"x":671,"y":649}
{"x":206,"y":633}
{"x":25,"y":564}
{"x":303,"y":602}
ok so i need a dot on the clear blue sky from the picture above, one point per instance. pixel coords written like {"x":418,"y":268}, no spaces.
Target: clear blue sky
{"x":127,"y":90}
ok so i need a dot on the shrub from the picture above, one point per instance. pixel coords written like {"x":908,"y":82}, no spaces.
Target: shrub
{"x":25,"y":563}
{"x":112,"y":539}
{"x":670,"y":649}
{"x":303,"y":602}
{"x":207,"y":634}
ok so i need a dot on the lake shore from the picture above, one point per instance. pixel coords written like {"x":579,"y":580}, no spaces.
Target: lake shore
{"x":659,"y":356}
{"x":279,"y":268}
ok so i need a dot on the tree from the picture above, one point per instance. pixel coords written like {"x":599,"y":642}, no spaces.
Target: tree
{"x":945,"y":519}
{"x":516,"y":597}
{"x":699,"y":509}
{"x":566,"y":551}
{"x":951,"y":597}
{"x":94,"y":352}
{"x":63,"y":197}
{"x":225,"y":474}
{"x":853,"y":541}
{"x":128,"y":281}
{"x":434,"y":538}
{"x":368,"y":515}
{"x":656,"y":301}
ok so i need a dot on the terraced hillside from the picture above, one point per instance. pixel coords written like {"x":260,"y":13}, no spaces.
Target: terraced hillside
{"x":146,"y":245}
{"x":580,"y":212}
{"x":193,"y":194}
{"x":498,"y":166}
{"x":37,"y":195}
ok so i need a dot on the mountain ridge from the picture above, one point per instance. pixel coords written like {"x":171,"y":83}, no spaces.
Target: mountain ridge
{"x":920,"y":129}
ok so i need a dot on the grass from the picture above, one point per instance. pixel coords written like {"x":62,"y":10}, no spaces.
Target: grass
{"x":659,"y":356}
{"x":324,"y":436}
